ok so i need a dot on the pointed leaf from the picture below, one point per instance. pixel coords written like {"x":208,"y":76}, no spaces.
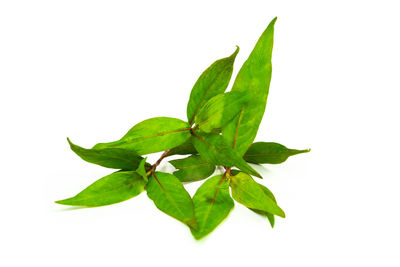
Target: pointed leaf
{"x":141,"y":170}
{"x":269,"y":216}
{"x":171,"y":197}
{"x":211,"y":82}
{"x":213,"y":149}
{"x":193,"y":168}
{"x":249,"y":193}
{"x":183,"y":149}
{"x":113,"y":188}
{"x":152,"y":135}
{"x":254,"y":76}
{"x":268,"y":152}
{"x":212,"y":204}
{"x":115,"y":158}
{"x":220,"y":109}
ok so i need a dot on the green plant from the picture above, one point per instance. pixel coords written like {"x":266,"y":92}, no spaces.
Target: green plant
{"x":219,"y":131}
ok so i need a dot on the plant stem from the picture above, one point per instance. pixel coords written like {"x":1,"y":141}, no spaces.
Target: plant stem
{"x":227,"y":172}
{"x":154,"y":166}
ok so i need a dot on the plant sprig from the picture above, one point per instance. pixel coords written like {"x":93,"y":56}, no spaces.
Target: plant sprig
{"x":219,"y":131}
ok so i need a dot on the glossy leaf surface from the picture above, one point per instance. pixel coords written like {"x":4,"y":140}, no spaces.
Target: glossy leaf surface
{"x":115,"y":158}
{"x":193,"y":168}
{"x":152,"y":135}
{"x":220,"y":109}
{"x":269,"y":152}
{"x":113,"y":188}
{"x":211,"y":82}
{"x":249,"y":193}
{"x":213,"y":149}
{"x":171,"y":197}
{"x":254,"y":76}
{"x":212,"y":204}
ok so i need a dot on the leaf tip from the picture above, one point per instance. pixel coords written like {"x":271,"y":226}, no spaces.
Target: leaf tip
{"x":233,"y":56}
{"x":61,"y":202}
{"x":198,"y":235}
{"x":256,"y":174}
{"x":237,"y":50}
{"x":71,"y":145}
{"x":304,"y":151}
{"x":66,"y":201}
{"x":281,"y":213}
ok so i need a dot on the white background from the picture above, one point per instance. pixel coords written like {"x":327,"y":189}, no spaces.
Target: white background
{"x":90,"y":70}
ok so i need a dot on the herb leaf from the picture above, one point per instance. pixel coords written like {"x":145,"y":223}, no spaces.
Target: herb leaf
{"x":152,"y":135}
{"x":212,"y":204}
{"x":171,"y":197}
{"x":220,"y":109}
{"x":192,"y":168}
{"x":269,"y":216}
{"x":115,"y":158}
{"x":183,"y":149}
{"x":213,"y":81}
{"x":213,"y":148}
{"x":111,"y":189}
{"x":249,"y":193}
{"x":141,"y":170}
{"x":255,"y":76}
{"x":219,"y":131}
{"x":269,"y":152}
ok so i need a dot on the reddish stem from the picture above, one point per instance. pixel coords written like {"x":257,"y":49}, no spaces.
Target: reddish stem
{"x":154,"y":166}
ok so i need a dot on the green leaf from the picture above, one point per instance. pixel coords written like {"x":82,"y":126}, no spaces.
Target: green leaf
{"x":212,"y":204}
{"x":220,"y":109}
{"x":269,"y":216}
{"x":249,"y":193}
{"x":171,"y":197}
{"x":193,"y":168}
{"x":268,"y":152}
{"x":213,"y":81}
{"x":152,"y":135}
{"x":141,"y":170}
{"x":184,"y":149}
{"x":116,"y":187}
{"x":213,"y":149}
{"x":115,"y":158}
{"x":254,"y":76}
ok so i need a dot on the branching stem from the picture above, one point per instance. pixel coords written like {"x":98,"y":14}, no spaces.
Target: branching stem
{"x":155,"y":165}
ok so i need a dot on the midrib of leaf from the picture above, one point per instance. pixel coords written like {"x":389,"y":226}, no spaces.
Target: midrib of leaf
{"x":213,"y":201}
{"x":204,"y":141}
{"x":204,"y":95}
{"x":169,"y":196}
{"x":206,"y":120}
{"x":237,"y":127}
{"x":148,"y":137}
{"x":115,"y":189}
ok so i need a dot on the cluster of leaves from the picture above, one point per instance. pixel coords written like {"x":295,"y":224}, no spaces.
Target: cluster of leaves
{"x":219,"y":131}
